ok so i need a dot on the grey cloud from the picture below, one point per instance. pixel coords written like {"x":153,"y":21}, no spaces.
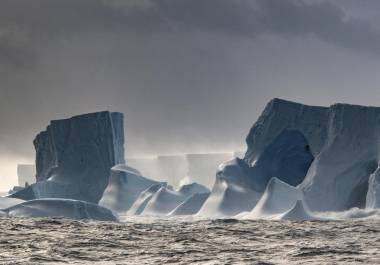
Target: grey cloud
{"x":42,"y":21}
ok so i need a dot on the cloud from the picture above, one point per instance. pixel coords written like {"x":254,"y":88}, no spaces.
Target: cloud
{"x":27,"y":27}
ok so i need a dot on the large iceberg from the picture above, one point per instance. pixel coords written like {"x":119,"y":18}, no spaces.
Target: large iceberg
{"x":343,"y":139}
{"x":74,"y":157}
{"x":239,"y":186}
{"x":66,"y":208}
{"x":124,"y":187}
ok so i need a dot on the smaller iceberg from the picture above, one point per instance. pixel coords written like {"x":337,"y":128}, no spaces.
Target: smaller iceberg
{"x":142,"y":200}
{"x":66,"y":208}
{"x":6,"y":202}
{"x":124,"y":187}
{"x":165,"y":200}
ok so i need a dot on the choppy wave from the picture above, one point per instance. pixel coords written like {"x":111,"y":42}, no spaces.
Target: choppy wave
{"x":188,"y":241}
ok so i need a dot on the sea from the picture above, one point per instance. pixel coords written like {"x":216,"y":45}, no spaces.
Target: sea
{"x":188,"y":241}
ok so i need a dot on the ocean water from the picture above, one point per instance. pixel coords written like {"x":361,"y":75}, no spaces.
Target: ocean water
{"x":184,"y":241}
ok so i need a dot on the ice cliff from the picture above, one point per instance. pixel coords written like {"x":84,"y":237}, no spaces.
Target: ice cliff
{"x":74,"y":157}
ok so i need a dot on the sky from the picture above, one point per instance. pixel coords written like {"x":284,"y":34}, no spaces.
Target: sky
{"x":189,"y":75}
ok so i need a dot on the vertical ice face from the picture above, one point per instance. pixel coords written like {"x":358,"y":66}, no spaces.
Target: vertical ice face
{"x":74,"y":156}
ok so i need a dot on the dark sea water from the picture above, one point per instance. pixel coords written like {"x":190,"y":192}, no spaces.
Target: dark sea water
{"x":60,"y":241}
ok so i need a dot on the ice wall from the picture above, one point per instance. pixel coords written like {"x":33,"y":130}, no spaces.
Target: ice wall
{"x":74,"y":156}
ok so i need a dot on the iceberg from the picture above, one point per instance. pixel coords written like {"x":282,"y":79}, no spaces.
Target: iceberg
{"x":65,"y":208}
{"x":344,"y":140}
{"x":124,"y":187}
{"x":74,"y":157}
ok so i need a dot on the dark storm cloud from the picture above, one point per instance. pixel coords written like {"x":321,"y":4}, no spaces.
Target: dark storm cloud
{"x":28,"y":25}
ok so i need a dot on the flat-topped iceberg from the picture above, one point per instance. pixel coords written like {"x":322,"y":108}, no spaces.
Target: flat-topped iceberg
{"x":74,"y":157}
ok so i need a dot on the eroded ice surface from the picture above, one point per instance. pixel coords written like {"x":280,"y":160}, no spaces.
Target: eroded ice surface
{"x":239,"y":186}
{"x":278,"y":198}
{"x":124,"y":187}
